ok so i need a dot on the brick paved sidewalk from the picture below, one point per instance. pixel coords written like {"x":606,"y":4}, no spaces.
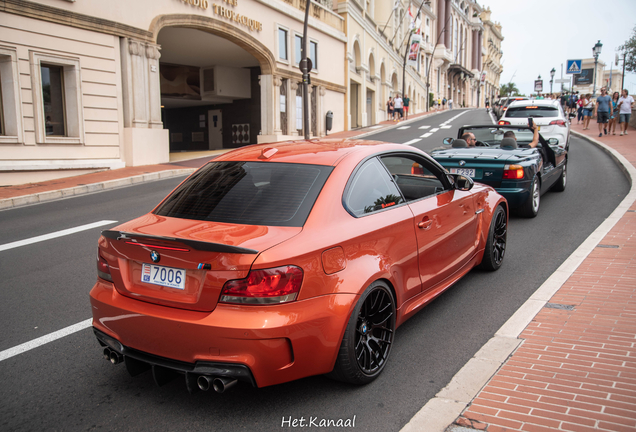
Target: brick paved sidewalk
{"x":576,"y":369}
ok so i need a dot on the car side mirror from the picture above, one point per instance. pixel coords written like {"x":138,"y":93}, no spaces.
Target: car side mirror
{"x":448,"y":141}
{"x":461,"y":182}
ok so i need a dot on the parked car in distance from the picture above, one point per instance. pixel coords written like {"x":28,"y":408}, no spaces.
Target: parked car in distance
{"x":520,"y":173}
{"x":547,"y":114}
{"x":280,"y":261}
{"x":503,"y":106}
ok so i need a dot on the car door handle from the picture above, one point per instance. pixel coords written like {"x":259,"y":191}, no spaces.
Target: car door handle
{"x":425,"y":224}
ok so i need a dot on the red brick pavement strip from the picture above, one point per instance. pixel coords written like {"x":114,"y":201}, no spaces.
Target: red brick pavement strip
{"x":30,"y":193}
{"x":576,"y":370}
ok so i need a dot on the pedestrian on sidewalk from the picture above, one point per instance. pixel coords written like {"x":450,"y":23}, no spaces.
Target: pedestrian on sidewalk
{"x":588,"y":110}
{"x":611,"y":127}
{"x":580,"y":104}
{"x":389,"y":109}
{"x":444,"y":103}
{"x":450,"y":104}
{"x":603,"y":111}
{"x":406,"y":101}
{"x":435,"y":104}
{"x":398,"y":107}
{"x":625,"y":105}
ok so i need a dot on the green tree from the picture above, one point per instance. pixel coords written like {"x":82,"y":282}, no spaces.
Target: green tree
{"x":509,"y":89}
{"x":629,"y":49}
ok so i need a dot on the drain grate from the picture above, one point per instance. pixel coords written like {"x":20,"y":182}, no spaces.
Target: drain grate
{"x":608,"y":246}
{"x":559,"y":306}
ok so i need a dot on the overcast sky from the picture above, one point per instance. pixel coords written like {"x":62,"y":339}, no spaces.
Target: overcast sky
{"x":542,"y":34}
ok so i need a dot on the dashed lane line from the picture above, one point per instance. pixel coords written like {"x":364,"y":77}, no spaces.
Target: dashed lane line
{"x":426,"y":135}
{"x":424,"y":127}
{"x":413,"y":141}
{"x":434,"y":130}
{"x":55,"y":234}
{"x":403,"y":127}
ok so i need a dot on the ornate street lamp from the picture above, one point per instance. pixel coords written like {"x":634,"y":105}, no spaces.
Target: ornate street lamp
{"x":596,"y":49}
{"x":552,"y":72}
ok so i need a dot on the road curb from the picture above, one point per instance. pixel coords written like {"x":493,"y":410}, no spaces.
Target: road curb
{"x":41,"y":197}
{"x":440,"y":412}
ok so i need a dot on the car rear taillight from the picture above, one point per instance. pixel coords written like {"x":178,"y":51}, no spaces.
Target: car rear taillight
{"x":513,"y":172}
{"x":269,"y":286}
{"x":558,"y":122}
{"x":503,"y":122}
{"x":103,"y":269}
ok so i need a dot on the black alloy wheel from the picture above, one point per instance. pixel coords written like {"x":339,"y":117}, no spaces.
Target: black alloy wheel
{"x":497,"y":237}
{"x":367,"y":341}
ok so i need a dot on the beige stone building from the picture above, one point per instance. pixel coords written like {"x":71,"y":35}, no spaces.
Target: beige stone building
{"x":491,"y":57}
{"x":100,"y":85}
{"x":87,"y":86}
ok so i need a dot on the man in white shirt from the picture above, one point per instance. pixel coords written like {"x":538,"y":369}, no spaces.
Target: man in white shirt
{"x":624,"y":106}
{"x":399,"y":107}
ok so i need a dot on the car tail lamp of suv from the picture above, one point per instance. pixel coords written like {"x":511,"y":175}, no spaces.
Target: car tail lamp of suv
{"x":503,"y":123}
{"x":268,"y":286}
{"x":558,"y":122}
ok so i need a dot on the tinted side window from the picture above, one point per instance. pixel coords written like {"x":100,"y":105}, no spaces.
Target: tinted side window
{"x":252,"y":193}
{"x":371,"y":189}
{"x":415,"y":177}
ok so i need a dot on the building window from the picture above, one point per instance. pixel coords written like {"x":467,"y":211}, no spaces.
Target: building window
{"x":313,"y":53}
{"x":298,"y":44}
{"x":11,"y":130}
{"x":2,"y":130}
{"x":53,"y":100}
{"x":282,"y":44}
{"x":57,"y":99}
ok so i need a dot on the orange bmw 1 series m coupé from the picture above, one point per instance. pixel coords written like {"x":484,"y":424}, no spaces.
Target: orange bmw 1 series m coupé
{"x":281,"y":261}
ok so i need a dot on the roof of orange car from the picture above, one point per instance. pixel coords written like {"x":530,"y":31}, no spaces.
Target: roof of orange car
{"x":318,"y":151}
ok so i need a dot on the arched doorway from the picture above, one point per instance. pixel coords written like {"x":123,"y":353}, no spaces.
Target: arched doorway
{"x":211,"y":96}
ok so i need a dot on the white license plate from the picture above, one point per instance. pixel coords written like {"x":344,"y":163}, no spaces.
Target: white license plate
{"x":164,"y":276}
{"x":470,"y":172}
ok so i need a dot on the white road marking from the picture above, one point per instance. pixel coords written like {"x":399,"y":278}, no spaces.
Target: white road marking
{"x":403,"y":127}
{"x":446,"y":127}
{"x":53,"y":235}
{"x":434,"y":130}
{"x":27,"y":346}
{"x":424,"y":127}
{"x":426,"y":135}
{"x":413,"y":141}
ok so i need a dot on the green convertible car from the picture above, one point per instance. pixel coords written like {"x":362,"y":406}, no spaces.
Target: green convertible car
{"x":518,"y":172}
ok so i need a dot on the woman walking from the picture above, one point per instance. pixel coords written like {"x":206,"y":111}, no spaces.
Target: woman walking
{"x":389,"y":109}
{"x":611,"y":128}
{"x":580,"y":104}
{"x":587,"y":111}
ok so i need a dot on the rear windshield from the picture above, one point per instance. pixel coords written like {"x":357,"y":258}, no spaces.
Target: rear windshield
{"x":532,"y":111}
{"x":251,"y":193}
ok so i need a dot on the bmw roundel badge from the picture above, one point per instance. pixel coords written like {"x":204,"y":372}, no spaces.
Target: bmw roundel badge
{"x":462,"y":163}
{"x":154,"y":256}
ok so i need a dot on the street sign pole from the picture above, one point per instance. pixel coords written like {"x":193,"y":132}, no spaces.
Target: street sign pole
{"x":305,"y":70}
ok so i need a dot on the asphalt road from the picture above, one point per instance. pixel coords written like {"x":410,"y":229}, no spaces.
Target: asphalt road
{"x":66,"y":384}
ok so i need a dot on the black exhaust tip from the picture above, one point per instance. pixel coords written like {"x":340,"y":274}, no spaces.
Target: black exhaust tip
{"x":222,"y":383}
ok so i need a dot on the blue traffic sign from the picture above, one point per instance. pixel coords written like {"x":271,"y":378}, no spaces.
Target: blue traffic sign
{"x":574,"y":67}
